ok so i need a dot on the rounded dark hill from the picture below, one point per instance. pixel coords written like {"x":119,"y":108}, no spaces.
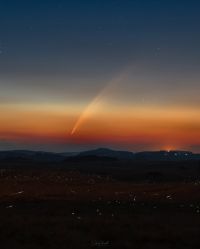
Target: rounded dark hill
{"x":104,"y":152}
{"x":90,"y":158}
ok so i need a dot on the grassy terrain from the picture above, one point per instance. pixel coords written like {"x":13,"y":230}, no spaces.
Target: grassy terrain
{"x":67,"y":209}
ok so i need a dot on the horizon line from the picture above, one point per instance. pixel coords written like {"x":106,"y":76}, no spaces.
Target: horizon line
{"x":105,"y":148}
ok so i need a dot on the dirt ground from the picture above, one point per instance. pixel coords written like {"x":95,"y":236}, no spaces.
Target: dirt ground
{"x":62,"y":209}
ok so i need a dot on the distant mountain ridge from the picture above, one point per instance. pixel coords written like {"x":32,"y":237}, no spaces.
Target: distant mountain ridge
{"x":104,"y":152}
{"x":42,"y":156}
{"x":166,"y":155}
{"x":31,"y":155}
{"x":144,"y":155}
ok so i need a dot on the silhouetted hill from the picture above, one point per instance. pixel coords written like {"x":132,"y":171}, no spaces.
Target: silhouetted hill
{"x":90,"y":158}
{"x":144,"y":166}
{"x":23,"y":155}
{"x":69,"y":154}
{"x":166,"y":155}
{"x":104,"y":152}
{"x":101,"y":154}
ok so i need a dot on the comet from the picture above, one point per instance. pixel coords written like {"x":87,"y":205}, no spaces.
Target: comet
{"x":96,"y":101}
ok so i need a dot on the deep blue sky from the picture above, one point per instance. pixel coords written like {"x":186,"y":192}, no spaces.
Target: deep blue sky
{"x":73,"y":37}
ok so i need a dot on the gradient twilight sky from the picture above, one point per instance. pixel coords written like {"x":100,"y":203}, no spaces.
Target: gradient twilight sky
{"x":82,"y":74}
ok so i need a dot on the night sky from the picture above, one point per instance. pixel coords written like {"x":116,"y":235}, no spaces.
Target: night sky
{"x":83,"y":74}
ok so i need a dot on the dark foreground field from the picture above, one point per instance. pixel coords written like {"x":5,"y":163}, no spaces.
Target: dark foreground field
{"x":53,"y":208}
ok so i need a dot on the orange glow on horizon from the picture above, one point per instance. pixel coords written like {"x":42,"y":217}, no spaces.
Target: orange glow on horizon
{"x":168,"y":128}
